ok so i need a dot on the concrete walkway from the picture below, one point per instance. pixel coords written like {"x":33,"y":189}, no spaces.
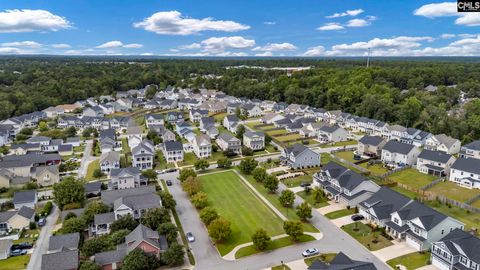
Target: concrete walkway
{"x":297,"y":189}
{"x":396,"y":250}
{"x":339,"y":222}
{"x":330,"y":208}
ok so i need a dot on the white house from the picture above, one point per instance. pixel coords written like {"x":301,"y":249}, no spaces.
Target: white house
{"x":173,"y":151}
{"x":332,"y":133}
{"x":254,"y":140}
{"x":399,"y":154}
{"x":443,"y":143}
{"x":109,"y":161}
{"x":466,"y":172}
{"x":202,"y":147}
{"x":299,"y":156}
{"x":434,"y":162}
{"x":471,"y":150}
{"x":456,"y":250}
{"x":143,"y":155}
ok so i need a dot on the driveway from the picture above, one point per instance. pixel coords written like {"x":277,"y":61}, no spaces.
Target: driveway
{"x":398,"y":249}
{"x":330,"y":208}
{"x":339,"y":222}
{"x":86,"y":159}
{"x":41,"y":246}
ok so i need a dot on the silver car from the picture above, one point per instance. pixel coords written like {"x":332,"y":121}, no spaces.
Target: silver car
{"x":310,"y":252}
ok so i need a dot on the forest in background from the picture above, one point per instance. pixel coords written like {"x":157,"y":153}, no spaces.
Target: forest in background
{"x":34,"y":83}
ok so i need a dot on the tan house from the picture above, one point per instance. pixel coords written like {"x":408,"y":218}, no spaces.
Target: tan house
{"x":371,"y":146}
{"x":9,"y":179}
{"x":18,"y":219}
{"x":47,"y":175}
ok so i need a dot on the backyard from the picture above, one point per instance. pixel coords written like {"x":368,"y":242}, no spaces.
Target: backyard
{"x":373,"y":240}
{"x":338,"y":144}
{"x":454,"y":191}
{"x":375,"y":169}
{"x":411,"y":261}
{"x":296,"y":181}
{"x":412,"y":178}
{"x":244,"y":210}
{"x":471,"y":220}
{"x":347,"y":155}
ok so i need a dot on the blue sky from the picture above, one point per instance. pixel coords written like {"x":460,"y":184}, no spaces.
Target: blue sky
{"x":237,"y":28}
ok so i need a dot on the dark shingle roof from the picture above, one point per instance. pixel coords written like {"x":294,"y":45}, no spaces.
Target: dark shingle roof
{"x":342,"y":262}
{"x":64,"y":260}
{"x":471,"y":165}
{"x":385,"y":201}
{"x":173,"y":146}
{"x":24,"y":196}
{"x":68,"y":241}
{"x":371,"y":140}
{"x":296,"y":149}
{"x":460,"y":242}
{"x":435,"y":156}
{"x":109,"y":196}
{"x":475,"y":145}
{"x":110,"y":257}
{"x":26,"y":212}
{"x":398,"y":147}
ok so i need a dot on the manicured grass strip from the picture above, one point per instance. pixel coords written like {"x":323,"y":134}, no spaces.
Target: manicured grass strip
{"x":470,"y":219}
{"x":412,"y":178}
{"x":454,"y":191}
{"x":15,"y":263}
{"x":340,"y":213}
{"x":161,"y":163}
{"x":337,"y":144}
{"x":326,"y":258}
{"x":309,"y":199}
{"x":411,"y":261}
{"x":347,"y":155}
{"x":296,"y":181}
{"x":92,"y":166}
{"x":281,"y":267}
{"x":235,"y":202}
{"x":277,"y":243}
{"x":373,"y":240}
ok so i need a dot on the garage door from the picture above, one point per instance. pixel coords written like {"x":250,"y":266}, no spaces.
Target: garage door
{"x":440,"y":264}
{"x":413,"y":243}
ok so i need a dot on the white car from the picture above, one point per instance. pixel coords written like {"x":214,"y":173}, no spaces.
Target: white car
{"x":310,"y":252}
{"x":190,"y":237}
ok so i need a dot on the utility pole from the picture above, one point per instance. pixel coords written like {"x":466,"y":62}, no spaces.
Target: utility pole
{"x":368,"y":57}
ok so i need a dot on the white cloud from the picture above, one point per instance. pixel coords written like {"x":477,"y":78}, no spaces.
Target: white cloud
{"x":173,"y":23}
{"x":27,"y":20}
{"x":276,"y":47}
{"x":401,"y":42}
{"x":28,"y":44}
{"x":232,"y":54}
{"x":448,"y":9}
{"x":352,"y":13}
{"x":193,"y":46}
{"x":147,"y":54}
{"x":315,"y":51}
{"x":467,"y":35}
{"x":61,"y":46}
{"x":217,"y":45}
{"x":118,"y":44}
{"x":447,"y":36}
{"x":264,"y":54}
{"x":357,"y":23}
{"x":11,"y":50}
{"x":270,"y":23}
{"x":330,"y":27}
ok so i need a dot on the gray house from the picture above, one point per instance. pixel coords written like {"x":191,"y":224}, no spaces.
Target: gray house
{"x":228,"y":143}
{"x":378,"y":208}
{"x":299,"y":156}
{"x":456,"y":250}
{"x":342,"y":262}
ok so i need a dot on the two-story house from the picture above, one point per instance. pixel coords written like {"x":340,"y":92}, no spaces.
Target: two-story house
{"x":443,"y":143}
{"x":173,"y":151}
{"x":47,"y":175}
{"x":254,"y":140}
{"x":229,"y":144}
{"x":396,"y":153}
{"x":230,"y":122}
{"x":174,"y":117}
{"x":331,"y":133}
{"x":206,"y":123}
{"x":299,"y":156}
{"x":371,"y":146}
{"x":434,"y":162}
{"x":109,"y":161}
{"x":143,"y":155}
{"x":196,"y":114}
{"x":466,"y":172}
{"x":456,"y":250}
{"x":202,"y":146}
{"x":16,"y":219}
{"x":471,"y":150}
{"x":122,"y":178}
{"x":154,"y":119}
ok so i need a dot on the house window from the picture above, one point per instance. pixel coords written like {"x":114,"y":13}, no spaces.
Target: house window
{"x":463,"y":260}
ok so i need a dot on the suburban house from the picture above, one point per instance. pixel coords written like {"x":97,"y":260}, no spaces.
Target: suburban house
{"x":270,"y":118}
{"x":396,"y":153}
{"x":26,"y":198}
{"x":202,"y":146}
{"x":230,"y":122}
{"x":183,"y":125}
{"x":434,"y":162}
{"x":108,"y":141}
{"x":420,"y":225}
{"x":342,"y":262}
{"x":456,"y":250}
{"x":254,"y":140}
{"x":206,"y":123}
{"x":378,"y":208}
{"x":47,"y":175}
{"x":212,"y":132}
{"x":471,"y":150}
{"x":109,"y":161}
{"x":332,"y":133}
{"x":466,"y":172}
{"x":9,"y":179}
{"x":173,"y":151}
{"x":95,"y":111}
{"x":443,"y":143}
{"x":143,"y":155}
{"x":23,"y":165}
{"x":174,"y":117}
{"x":229,"y":143}
{"x":61,"y":242}
{"x":196,"y":114}
{"x":299,"y":156}
{"x":154,"y":119}
{"x":344,"y":185}
{"x":371,"y":146}
{"x":93,"y":189}
{"x":251,"y":110}
{"x":16,"y":219}
{"x":5,"y":248}
{"x":123,"y":178}
{"x":63,"y":260}
{"x":134,"y":136}
{"x":167,"y":135}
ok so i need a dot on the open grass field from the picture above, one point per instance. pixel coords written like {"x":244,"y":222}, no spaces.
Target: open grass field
{"x":454,"y":191}
{"x":366,"y":236}
{"x":471,"y":220}
{"x":15,"y":263}
{"x":235,"y":202}
{"x":277,"y":243}
{"x":275,"y":132}
{"x":411,"y":261}
{"x":412,"y":178}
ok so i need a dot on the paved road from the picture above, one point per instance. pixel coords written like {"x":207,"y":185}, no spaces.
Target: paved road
{"x":86,"y":159}
{"x":41,"y":246}
{"x":207,"y":257}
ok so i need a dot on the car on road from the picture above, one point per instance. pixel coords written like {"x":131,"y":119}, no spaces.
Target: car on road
{"x":305,"y":184}
{"x":310,"y":252}
{"x":190,"y":237}
{"x":22,"y":246}
{"x":357,"y":217}
{"x":169,"y":182}
{"x":170,"y":170}
{"x":160,"y":171}
{"x":18,"y":252}
{"x":41,"y":222}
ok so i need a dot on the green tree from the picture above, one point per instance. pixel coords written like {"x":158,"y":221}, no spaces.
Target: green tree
{"x":304,"y":211}
{"x":68,"y":191}
{"x":259,"y":174}
{"x":200,"y":200}
{"x":208,"y":214}
{"x":169,"y":230}
{"x":167,"y":200}
{"x":247,"y":151}
{"x":224,"y":163}
{"x":71,"y":132}
{"x":317,"y":195}
{"x":174,"y":255}
{"x":185,"y":173}
{"x":89,"y":265}
{"x":294,"y":229}
{"x":139,"y":260}
{"x":118,"y":237}
{"x":240,"y":131}
{"x":260,"y":239}
{"x":287,"y":197}
{"x":73,"y":225}
{"x":248,"y":165}
{"x":97,"y":173}
{"x":95,"y":245}
{"x":151,"y":175}
{"x":42,"y":126}
{"x":192,"y":185}
{"x":94,"y":208}
{"x":125,"y":222}
{"x":201,"y":164}
{"x":271,"y":183}
{"x":155,"y":217}
{"x":150,"y":91}
{"x":219,"y":229}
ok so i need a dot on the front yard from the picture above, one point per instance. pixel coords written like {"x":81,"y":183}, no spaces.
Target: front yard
{"x":454,"y":191}
{"x":296,"y":181}
{"x":275,"y":244}
{"x":326,"y":258}
{"x":373,"y":240}
{"x":411,"y":261}
{"x":15,"y":263}
{"x":91,"y":169}
{"x":340,"y":213}
{"x":308,"y":197}
{"x":161,"y":163}
{"x":412,"y":178}
{"x":235,"y":202}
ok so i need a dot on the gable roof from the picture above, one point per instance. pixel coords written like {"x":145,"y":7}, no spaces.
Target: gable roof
{"x":225,"y":136}
{"x":471,"y":165}
{"x":142,"y":233}
{"x":475,"y":145}
{"x":68,"y":241}
{"x":385,"y":201}
{"x":460,"y":242}
{"x":437,"y":156}
{"x":109,"y":196}
{"x":26,"y":212}
{"x":137,"y":202}
{"x":428,"y":216}
{"x":251,"y":134}
{"x":64,"y":260}
{"x":173,"y":146}
{"x":109,"y":257}
{"x":296,"y":149}
{"x":342,"y":262}
{"x":24,"y":196}
{"x":111,"y":156}
{"x":398,"y":147}
{"x":371,"y":140}
{"x":446,"y":140}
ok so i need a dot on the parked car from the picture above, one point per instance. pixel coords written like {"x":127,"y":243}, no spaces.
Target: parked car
{"x":310,"y":252}
{"x":22,"y":246}
{"x":190,"y":237}
{"x":169,"y":183}
{"x":41,"y":222}
{"x":305,"y":184}
{"x":170,"y":170}
{"x":357,"y":217}
{"x":18,"y":252}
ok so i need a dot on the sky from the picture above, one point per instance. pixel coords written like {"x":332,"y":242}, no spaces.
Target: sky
{"x":314,"y":28}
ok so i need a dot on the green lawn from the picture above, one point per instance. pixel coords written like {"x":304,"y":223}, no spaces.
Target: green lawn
{"x":337,"y":144}
{"x":476,"y":203}
{"x":296,"y":181}
{"x":326,"y":258}
{"x":375,"y":169}
{"x":340,"y":213}
{"x":161,"y":163}
{"x":273,"y":199}
{"x":281,"y":267}
{"x":294,"y":136}
{"x":91,"y":168}
{"x":347,"y":155}
{"x":471,"y":220}
{"x":30,"y":239}
{"x":270,"y":148}
{"x":188,"y":159}
{"x":275,"y":244}
{"x":411,"y":261}
{"x":454,"y":191}
{"x":325,"y":158}
{"x":366,"y":236}
{"x":235,"y":202}
{"x":408,"y":193}
{"x":412,"y":178}
{"x":15,"y":263}
{"x":276,"y":132}
{"x":309,"y":199}
{"x":219,"y":116}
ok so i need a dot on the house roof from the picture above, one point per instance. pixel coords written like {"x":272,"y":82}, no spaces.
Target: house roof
{"x":173,"y":146}
{"x":68,"y":241}
{"x":460,"y":242}
{"x":109,"y":257}
{"x":436,"y":156}
{"x":251,"y":134}
{"x":64,"y":260}
{"x":342,"y":262}
{"x":36,"y":139}
{"x":428,"y":216}
{"x":475,"y":145}
{"x":41,"y":169}
{"x":471,"y":165}
{"x":125,"y":171}
{"x":112,"y":156}
{"x":446,"y":140}
{"x":371,"y":140}
{"x":225,"y":136}
{"x":24,"y":196}
{"x":385,"y":201}
{"x":329,"y":128}
{"x":398,"y":147}
{"x":109,"y":133}
{"x":6,"y":215}
{"x":136,"y":202}
{"x":26,"y":212}
{"x":104,"y":218}
{"x":232,"y":118}
{"x":296,"y":149}
{"x":142,"y":233}
{"x":109,"y":196}
{"x":92,"y":187}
